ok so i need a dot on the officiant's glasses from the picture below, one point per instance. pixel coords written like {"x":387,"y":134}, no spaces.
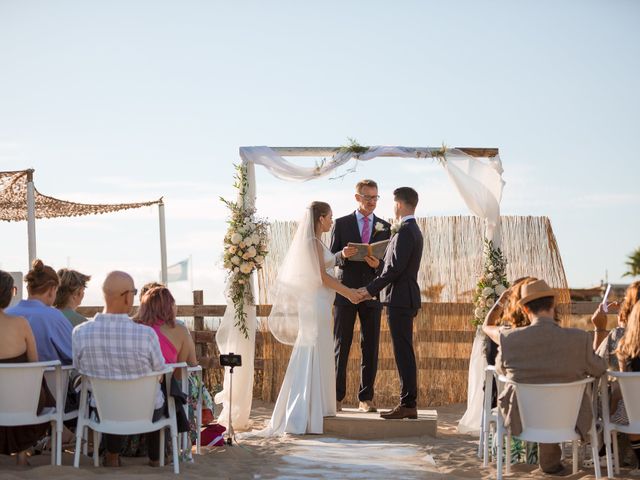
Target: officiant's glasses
{"x":369,"y":198}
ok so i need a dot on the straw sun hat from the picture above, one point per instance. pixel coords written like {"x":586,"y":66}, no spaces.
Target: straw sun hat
{"x":535,"y":290}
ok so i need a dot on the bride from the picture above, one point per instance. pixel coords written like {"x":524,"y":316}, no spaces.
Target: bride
{"x":301,"y":316}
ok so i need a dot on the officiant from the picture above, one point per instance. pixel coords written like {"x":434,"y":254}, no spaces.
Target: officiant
{"x":361,"y":226}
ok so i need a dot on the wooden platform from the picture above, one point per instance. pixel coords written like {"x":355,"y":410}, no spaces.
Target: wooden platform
{"x":369,"y":426}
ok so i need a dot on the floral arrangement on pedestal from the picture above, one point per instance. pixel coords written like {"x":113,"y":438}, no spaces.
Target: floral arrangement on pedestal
{"x":245,"y":247}
{"x":493,"y":282}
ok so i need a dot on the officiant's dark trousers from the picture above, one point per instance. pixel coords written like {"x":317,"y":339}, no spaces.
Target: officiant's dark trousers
{"x":401,"y":329}
{"x":344,"y":322}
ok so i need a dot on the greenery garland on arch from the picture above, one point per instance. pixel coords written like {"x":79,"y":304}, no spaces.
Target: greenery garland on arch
{"x":245,"y":248}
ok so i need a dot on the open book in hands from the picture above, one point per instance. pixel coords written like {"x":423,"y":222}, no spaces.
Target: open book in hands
{"x":376,"y":249}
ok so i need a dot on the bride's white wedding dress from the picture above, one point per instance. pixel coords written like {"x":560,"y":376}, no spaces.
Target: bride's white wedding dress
{"x":301,"y":316}
{"x":308,"y":392}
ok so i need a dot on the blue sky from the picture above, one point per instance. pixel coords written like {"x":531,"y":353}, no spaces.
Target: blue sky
{"x":132,"y":100}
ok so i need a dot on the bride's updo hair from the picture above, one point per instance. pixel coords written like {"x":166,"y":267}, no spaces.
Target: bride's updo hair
{"x":319,"y":209}
{"x":41,"y":278}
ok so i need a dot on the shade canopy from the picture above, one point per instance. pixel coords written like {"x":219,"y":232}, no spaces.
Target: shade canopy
{"x":13,"y":201}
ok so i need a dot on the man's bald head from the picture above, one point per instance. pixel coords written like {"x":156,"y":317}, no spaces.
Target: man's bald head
{"x":119,"y":292}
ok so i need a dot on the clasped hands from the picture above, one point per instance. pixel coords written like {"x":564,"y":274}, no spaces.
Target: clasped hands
{"x":357,"y":295}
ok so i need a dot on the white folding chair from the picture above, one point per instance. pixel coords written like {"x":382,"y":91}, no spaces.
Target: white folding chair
{"x":491,"y":417}
{"x":19,"y":396}
{"x":125,"y":407}
{"x":630,"y":388}
{"x":49,"y":377}
{"x":549,"y":412}
{"x":186,"y":372}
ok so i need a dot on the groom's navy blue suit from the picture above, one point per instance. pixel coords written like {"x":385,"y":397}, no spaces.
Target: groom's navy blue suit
{"x":399,"y":279}
{"x":356,"y":275}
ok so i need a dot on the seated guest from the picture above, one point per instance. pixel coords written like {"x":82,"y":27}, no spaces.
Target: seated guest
{"x":506,"y":313}
{"x":17,"y":345}
{"x":50,"y":327}
{"x":628,"y":355}
{"x":158,"y":310}
{"x":114,"y":346}
{"x":606,"y":342}
{"x":544,"y":352}
{"x":70,"y":294}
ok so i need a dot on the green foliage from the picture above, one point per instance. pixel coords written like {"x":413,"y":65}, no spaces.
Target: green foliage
{"x":633,"y":263}
{"x":353,"y":146}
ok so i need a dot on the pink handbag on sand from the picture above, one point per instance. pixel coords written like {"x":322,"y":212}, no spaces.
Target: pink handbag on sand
{"x":211,"y":435}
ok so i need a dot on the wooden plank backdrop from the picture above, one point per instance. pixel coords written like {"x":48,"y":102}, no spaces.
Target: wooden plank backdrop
{"x":443,"y":337}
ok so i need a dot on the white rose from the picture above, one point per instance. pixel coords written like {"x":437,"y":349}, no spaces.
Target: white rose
{"x":240,"y":230}
{"x":236,"y":270}
{"x":232,"y":249}
{"x":242,"y":244}
{"x":492,"y":268}
{"x":248,"y":240}
{"x":500,"y":289}
{"x":236,"y":260}
{"x":487,"y":291}
{"x":494,"y":282}
{"x":255,"y":238}
{"x":252,"y":252}
{"x":259,"y":259}
{"x":490,"y":302}
{"x":478,"y":312}
{"x":246,"y":267}
{"x":489,"y":276}
{"x":236,"y":238}
{"x":379,"y":227}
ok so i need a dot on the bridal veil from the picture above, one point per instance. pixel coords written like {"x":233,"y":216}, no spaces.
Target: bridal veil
{"x":297,"y":282}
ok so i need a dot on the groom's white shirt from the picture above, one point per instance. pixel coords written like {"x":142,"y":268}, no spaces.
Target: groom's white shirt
{"x":360,"y":217}
{"x":407,"y":217}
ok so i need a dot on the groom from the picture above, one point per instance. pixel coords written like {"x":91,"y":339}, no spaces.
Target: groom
{"x":399,"y":278}
{"x":361,"y":226}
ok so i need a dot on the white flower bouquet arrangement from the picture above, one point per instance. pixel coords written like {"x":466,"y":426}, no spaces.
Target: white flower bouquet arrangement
{"x":493,"y":282}
{"x":245,"y":248}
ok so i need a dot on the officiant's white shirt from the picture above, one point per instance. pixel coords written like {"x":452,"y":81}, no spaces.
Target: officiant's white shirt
{"x":360,"y":218}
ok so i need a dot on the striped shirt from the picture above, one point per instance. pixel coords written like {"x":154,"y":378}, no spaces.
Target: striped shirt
{"x":113,"y":346}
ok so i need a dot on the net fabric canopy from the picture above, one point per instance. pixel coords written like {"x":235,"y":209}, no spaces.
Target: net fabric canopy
{"x":13,"y":201}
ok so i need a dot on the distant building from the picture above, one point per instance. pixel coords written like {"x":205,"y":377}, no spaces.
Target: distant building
{"x":595,"y":294}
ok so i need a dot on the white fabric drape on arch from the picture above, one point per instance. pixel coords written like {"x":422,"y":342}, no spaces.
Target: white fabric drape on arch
{"x":479,"y":182}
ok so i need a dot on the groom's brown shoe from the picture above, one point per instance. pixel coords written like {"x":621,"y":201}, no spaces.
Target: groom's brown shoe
{"x":400,"y":412}
{"x":367,"y":407}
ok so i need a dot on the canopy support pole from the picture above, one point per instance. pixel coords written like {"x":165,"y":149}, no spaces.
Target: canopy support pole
{"x":163,"y":243}
{"x":31,"y":217}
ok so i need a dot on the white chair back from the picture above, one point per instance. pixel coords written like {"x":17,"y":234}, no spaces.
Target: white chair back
{"x":630,"y":387}
{"x":20,"y":392}
{"x":548,"y":412}
{"x":124,"y":401}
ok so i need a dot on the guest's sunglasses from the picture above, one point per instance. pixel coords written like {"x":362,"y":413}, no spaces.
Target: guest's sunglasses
{"x":134,"y":291}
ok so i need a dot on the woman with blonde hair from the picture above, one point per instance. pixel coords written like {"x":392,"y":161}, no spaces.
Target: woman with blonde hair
{"x":70,"y":294}
{"x":628,"y":356}
{"x":606,"y":346}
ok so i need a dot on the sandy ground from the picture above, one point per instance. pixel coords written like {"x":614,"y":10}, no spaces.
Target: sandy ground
{"x":449,"y":456}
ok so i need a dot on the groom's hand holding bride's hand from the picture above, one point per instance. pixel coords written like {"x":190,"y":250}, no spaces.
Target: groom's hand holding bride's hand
{"x":364,"y":294}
